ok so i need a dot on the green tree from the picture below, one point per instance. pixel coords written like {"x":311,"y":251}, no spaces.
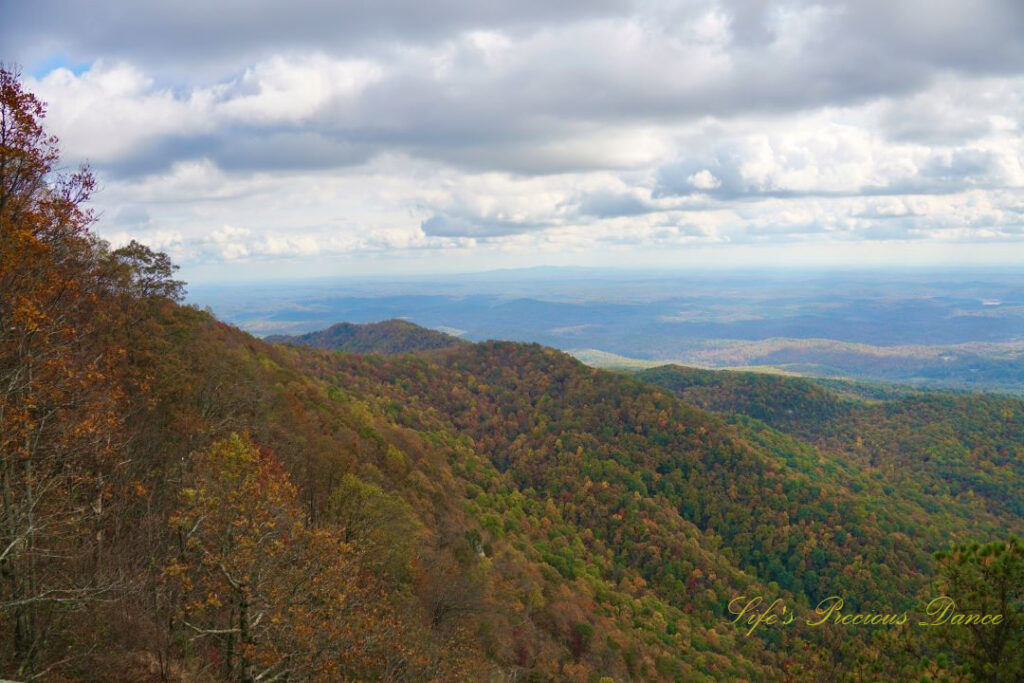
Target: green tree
{"x":985,"y":579}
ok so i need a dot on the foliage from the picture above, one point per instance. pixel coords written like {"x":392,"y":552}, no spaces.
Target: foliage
{"x":988,"y":580}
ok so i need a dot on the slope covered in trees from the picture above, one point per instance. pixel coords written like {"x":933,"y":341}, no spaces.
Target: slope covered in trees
{"x":182,"y":501}
{"x":961,"y":452}
{"x":388,"y":337}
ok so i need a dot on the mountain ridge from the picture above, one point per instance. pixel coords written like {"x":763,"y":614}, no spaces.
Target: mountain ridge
{"x":394,"y":336}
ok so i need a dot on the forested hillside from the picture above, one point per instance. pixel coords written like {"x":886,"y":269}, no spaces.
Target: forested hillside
{"x":182,"y":501}
{"x":961,"y":452}
{"x":387,"y":337}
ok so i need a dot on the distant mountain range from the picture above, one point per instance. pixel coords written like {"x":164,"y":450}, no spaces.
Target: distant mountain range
{"x":933,"y":329}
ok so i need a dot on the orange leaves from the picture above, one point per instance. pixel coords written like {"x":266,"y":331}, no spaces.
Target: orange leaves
{"x":27,"y":314}
{"x":65,"y":378}
{"x":272,"y":593}
{"x":253,"y":568}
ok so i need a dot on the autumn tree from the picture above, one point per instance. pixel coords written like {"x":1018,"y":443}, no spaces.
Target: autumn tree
{"x":238,"y":537}
{"x":78,"y":336}
{"x":272,"y":596}
{"x":59,"y":417}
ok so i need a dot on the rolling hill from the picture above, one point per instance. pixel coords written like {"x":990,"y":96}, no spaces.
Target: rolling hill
{"x":387,"y":337}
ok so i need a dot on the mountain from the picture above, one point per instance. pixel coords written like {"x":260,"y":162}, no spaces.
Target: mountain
{"x":953,"y":330}
{"x":966,"y":446}
{"x":489,"y":509}
{"x":388,"y":337}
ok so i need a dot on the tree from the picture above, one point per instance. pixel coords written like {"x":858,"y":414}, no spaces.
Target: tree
{"x":59,"y":417}
{"x":984,"y":579}
{"x":274,"y":597}
{"x":239,"y":539}
{"x":147,"y":274}
{"x":381,"y":525}
{"x":69,"y":307}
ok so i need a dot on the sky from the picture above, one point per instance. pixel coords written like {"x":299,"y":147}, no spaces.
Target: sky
{"x":254,"y":139}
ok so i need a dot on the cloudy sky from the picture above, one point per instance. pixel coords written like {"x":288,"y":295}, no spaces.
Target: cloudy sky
{"x":252,"y":138}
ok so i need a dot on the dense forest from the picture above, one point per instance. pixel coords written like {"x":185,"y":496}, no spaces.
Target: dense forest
{"x":182,"y":501}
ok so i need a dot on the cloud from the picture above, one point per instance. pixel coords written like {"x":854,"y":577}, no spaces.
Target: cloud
{"x":953,"y":110}
{"x":186,"y":34}
{"x":612,"y":204}
{"x":134,"y":215}
{"x":704,"y":180}
{"x":441,"y":225}
{"x":523,"y":89}
{"x":814,"y":155}
{"x":331,"y":128}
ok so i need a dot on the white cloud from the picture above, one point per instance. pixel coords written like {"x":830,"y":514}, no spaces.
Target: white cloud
{"x":704,"y":180}
{"x":293,"y":91}
{"x":113,"y":110}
